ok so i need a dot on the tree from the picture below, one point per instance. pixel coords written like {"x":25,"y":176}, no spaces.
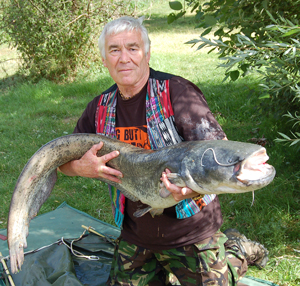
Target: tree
{"x":254,"y":35}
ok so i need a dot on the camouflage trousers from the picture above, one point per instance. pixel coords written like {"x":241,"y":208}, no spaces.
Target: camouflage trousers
{"x":207,"y":263}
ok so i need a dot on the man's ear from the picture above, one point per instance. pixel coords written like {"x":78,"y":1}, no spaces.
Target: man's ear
{"x":104,"y":62}
{"x":148,"y":55}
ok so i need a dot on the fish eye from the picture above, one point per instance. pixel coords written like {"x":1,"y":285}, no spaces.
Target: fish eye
{"x":235,"y":160}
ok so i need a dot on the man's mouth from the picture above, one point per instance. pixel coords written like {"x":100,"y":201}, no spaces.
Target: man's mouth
{"x":125,"y":70}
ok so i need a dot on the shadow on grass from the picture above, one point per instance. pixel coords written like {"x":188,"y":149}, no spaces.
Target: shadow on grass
{"x":11,"y":81}
{"x":157,"y":23}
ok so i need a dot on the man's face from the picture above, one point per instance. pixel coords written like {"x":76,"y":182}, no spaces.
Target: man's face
{"x":126,"y":59}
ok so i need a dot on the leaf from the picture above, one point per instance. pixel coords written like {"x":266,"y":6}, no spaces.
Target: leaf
{"x":210,"y":43}
{"x":295,"y":142}
{"x":210,"y":20}
{"x":192,"y":42}
{"x":244,"y":67}
{"x":264,"y":96}
{"x":219,"y":32}
{"x":287,"y":51}
{"x":284,"y":136}
{"x":291,"y":32}
{"x":171,"y":18}
{"x":195,"y":7}
{"x":271,"y":16}
{"x":201,"y":46}
{"x":199,"y":15}
{"x":234,"y":75}
{"x":264,"y":86}
{"x":211,"y":50}
{"x":175,"y":5}
{"x":226,"y":77}
{"x":201,"y":25}
{"x":207,"y":31}
{"x":272,"y":27}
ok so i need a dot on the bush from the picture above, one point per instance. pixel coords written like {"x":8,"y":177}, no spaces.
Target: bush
{"x":55,"y":36}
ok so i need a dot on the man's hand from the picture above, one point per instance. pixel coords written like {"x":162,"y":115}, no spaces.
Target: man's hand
{"x":91,"y":166}
{"x":177,"y":192}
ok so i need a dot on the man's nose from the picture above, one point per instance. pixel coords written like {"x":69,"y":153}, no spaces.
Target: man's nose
{"x":124,"y":58}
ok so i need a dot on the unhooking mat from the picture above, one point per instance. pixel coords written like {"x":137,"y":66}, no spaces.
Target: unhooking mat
{"x":54,"y":233}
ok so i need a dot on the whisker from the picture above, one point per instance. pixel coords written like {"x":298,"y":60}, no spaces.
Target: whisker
{"x":252,"y":199}
{"x":213,"y":151}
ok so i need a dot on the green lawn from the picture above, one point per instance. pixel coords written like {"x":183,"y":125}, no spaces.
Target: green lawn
{"x":33,"y":114}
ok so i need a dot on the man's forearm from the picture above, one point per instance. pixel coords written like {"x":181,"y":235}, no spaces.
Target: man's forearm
{"x":69,"y":168}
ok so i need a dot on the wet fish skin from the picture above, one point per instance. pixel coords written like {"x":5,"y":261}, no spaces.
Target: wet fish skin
{"x":207,"y":167}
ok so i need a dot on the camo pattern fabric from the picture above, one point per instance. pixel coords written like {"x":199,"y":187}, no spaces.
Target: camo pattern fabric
{"x":206,"y":263}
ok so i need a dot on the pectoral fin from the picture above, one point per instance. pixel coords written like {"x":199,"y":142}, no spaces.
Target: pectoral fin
{"x":142,"y":212}
{"x":176,"y":179}
{"x":152,"y":211}
{"x":155,"y":212}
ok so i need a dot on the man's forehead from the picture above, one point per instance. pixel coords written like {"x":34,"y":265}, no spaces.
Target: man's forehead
{"x":126,"y":37}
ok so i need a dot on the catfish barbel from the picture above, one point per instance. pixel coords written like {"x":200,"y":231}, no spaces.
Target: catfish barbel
{"x":207,"y":167}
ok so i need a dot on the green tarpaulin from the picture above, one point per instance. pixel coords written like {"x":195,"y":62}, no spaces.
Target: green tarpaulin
{"x":55,"y":264}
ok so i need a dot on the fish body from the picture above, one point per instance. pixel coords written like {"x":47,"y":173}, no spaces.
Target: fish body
{"x":207,"y":167}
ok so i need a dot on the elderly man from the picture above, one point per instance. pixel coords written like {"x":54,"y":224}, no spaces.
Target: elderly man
{"x":152,"y":109}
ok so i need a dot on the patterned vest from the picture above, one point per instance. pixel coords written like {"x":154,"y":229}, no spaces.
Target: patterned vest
{"x":161,"y":131}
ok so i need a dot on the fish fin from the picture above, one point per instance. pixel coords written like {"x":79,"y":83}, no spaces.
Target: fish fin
{"x":155,"y":212}
{"x":142,"y":212}
{"x":163,"y":192}
{"x":176,"y":179}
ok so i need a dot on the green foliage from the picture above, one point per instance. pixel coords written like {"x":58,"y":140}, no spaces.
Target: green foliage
{"x":175,"y":5}
{"x":295,"y":138}
{"x":261,"y":36}
{"x":54,"y":36}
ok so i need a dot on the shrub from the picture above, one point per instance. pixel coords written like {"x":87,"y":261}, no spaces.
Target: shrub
{"x":55,"y":36}
{"x":254,"y":35}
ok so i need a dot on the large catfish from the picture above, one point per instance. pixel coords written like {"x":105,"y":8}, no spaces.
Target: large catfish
{"x":207,"y":167}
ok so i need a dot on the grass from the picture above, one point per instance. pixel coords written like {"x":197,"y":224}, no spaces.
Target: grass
{"x":33,"y":114}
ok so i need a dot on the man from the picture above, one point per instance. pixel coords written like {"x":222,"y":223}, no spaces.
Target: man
{"x":152,"y":109}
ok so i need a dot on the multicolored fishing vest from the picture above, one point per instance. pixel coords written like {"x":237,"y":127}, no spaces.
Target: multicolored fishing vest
{"x":161,"y":130}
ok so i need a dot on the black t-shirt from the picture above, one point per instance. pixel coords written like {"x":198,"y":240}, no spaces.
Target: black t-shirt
{"x":194,"y":121}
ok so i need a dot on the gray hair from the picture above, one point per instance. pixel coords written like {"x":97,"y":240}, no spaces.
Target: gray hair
{"x":120,"y":25}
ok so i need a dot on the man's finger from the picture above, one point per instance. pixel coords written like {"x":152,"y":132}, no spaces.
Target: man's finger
{"x":95,"y":148}
{"x":169,"y":186}
{"x":107,"y":157}
{"x":111,"y":178}
{"x":105,"y":170}
{"x":187,"y":191}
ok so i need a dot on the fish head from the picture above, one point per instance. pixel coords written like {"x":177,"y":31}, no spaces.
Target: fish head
{"x":254,"y":172}
{"x":227,"y":167}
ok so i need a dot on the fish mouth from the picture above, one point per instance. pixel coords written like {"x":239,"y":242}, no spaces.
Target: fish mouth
{"x":254,"y":170}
